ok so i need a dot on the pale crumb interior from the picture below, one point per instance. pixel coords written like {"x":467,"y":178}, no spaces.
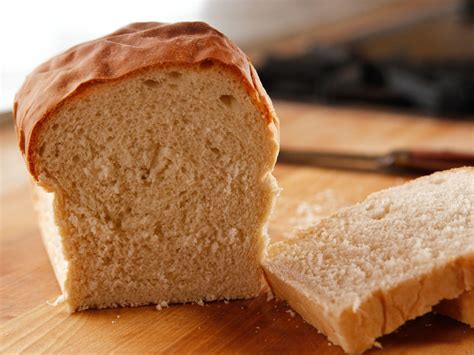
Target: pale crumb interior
{"x":395,"y":235}
{"x":162,"y":188}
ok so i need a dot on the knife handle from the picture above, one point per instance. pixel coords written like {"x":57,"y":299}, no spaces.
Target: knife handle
{"x":428,"y":161}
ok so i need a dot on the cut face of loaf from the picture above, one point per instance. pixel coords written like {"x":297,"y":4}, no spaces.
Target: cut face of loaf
{"x":159,"y":183}
{"x":367,"y":269}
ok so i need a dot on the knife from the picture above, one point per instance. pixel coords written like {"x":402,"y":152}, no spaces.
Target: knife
{"x":398,"y":161}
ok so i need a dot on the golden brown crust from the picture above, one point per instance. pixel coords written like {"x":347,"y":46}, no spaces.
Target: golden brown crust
{"x":129,"y":50}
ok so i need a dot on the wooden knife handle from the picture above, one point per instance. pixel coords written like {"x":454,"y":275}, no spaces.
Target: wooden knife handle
{"x":429,"y":161}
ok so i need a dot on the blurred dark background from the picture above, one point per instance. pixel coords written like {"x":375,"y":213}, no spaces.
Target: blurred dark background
{"x":424,"y":64}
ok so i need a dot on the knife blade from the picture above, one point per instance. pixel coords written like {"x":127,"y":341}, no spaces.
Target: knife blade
{"x":398,"y":161}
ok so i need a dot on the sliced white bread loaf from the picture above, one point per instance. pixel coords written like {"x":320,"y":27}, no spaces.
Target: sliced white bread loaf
{"x":367,"y":269}
{"x":156,"y":144}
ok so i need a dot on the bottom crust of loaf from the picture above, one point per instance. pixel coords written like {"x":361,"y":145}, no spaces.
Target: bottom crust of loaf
{"x":158,"y":303}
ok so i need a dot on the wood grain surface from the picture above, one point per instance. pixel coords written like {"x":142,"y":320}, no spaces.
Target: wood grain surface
{"x":29,"y":324}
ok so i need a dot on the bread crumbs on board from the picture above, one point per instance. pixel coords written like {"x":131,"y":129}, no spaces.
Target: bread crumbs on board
{"x":270,"y":296}
{"x":162,"y":305}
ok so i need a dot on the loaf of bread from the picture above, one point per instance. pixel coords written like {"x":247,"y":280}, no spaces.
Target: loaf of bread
{"x":368,"y":268}
{"x":152,"y":150}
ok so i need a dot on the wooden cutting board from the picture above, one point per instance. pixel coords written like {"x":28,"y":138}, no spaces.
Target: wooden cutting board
{"x":27,"y":283}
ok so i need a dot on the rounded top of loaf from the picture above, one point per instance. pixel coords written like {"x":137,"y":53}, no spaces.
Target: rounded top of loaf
{"x":129,"y":50}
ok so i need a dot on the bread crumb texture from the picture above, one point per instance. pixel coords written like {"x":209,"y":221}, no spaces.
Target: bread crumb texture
{"x":365,"y":270}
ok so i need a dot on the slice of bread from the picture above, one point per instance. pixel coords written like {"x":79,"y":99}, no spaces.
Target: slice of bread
{"x":152,"y":149}
{"x":367,"y":269}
